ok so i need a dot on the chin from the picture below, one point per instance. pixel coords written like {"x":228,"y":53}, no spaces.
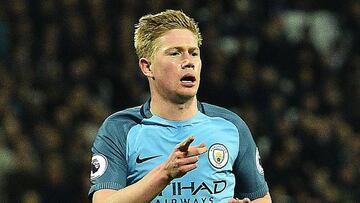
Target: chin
{"x":183,"y":98}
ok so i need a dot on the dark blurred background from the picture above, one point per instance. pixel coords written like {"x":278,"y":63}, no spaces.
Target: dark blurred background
{"x":290,"y":68}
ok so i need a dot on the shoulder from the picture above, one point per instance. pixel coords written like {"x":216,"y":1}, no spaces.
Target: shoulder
{"x":217,"y":111}
{"x":211,"y":110}
{"x":122,"y":121}
{"x":115,"y":128}
{"x":127,"y":115}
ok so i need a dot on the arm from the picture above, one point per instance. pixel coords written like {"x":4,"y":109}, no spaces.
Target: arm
{"x":145,"y":189}
{"x":249,"y":174}
{"x":178,"y":164}
{"x":265,"y":199}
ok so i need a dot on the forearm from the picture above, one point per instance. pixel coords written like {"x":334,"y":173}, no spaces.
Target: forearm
{"x":145,"y":189}
{"x":265,"y":199}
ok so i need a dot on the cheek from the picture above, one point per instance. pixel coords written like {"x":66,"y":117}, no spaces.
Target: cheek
{"x":167,"y":68}
{"x":172,"y":65}
{"x":166,"y":71}
{"x":199,"y":67}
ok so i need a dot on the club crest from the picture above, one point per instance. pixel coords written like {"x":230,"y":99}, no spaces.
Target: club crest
{"x":98,"y":166}
{"x":218,"y":155}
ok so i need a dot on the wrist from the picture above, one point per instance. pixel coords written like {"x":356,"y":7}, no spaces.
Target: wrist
{"x":163,"y":174}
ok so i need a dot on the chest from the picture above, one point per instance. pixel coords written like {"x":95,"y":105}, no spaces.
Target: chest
{"x":150,"y":145}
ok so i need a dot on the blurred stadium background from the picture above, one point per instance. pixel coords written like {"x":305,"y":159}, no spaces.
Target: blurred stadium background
{"x":290,"y":68}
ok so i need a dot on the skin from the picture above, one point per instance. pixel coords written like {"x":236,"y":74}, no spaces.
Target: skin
{"x":177,"y":165}
{"x":176,"y":56}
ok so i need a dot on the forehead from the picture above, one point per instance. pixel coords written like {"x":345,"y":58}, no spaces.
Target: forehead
{"x":177,"y":38}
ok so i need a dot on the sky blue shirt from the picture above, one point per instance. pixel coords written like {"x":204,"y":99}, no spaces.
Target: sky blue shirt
{"x":132,"y":142}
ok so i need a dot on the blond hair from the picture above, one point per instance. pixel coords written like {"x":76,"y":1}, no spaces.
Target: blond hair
{"x":151,"y":27}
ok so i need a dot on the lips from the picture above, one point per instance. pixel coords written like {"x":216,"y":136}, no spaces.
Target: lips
{"x":188,"y":80}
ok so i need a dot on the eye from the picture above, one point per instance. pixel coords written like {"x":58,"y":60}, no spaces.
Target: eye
{"x":174,"y":53}
{"x":195,"y":54}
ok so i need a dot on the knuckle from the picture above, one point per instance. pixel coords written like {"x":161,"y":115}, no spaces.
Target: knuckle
{"x":182,"y":170}
{"x":177,"y":155}
{"x":177,"y":162}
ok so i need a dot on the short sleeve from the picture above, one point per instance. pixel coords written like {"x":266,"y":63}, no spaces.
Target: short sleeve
{"x":108,"y":164}
{"x":249,"y":174}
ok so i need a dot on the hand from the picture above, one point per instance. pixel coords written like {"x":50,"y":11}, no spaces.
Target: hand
{"x":237,"y":200}
{"x":184,"y":158}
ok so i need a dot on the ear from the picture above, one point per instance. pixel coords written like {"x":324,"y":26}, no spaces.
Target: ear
{"x":145,"y":66}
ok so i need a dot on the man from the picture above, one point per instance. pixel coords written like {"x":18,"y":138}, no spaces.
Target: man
{"x":138,"y":155}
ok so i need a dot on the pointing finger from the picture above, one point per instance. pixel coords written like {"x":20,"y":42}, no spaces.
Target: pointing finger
{"x":196,"y":150}
{"x":184,"y":145}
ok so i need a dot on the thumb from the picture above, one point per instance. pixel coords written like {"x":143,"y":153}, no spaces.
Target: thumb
{"x":237,"y":200}
{"x":246,"y":200}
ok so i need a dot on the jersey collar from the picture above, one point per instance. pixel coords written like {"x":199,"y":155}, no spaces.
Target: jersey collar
{"x":146,"y":113}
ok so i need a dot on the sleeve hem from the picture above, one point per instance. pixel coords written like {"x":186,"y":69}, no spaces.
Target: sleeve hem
{"x":100,"y":186}
{"x":254,"y":195}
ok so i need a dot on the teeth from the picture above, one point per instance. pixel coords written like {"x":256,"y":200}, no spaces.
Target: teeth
{"x":186,"y":81}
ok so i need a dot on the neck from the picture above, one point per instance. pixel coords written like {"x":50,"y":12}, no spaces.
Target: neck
{"x":173,"y":111}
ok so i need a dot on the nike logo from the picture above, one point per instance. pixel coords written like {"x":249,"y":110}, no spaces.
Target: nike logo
{"x":139,"y":160}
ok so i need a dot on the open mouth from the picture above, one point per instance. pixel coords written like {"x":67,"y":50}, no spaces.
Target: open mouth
{"x":188,"y":79}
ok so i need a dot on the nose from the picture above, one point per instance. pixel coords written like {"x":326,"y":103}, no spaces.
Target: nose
{"x":187,"y":63}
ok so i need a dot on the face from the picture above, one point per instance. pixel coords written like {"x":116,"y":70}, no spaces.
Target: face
{"x":176,"y":66}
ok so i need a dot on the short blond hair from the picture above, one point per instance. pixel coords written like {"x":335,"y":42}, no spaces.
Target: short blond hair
{"x":151,"y":27}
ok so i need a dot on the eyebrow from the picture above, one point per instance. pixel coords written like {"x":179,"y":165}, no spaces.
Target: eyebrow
{"x":191,"y":49}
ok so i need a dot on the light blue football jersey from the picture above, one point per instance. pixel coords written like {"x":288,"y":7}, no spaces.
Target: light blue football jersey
{"x":132,"y":142}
